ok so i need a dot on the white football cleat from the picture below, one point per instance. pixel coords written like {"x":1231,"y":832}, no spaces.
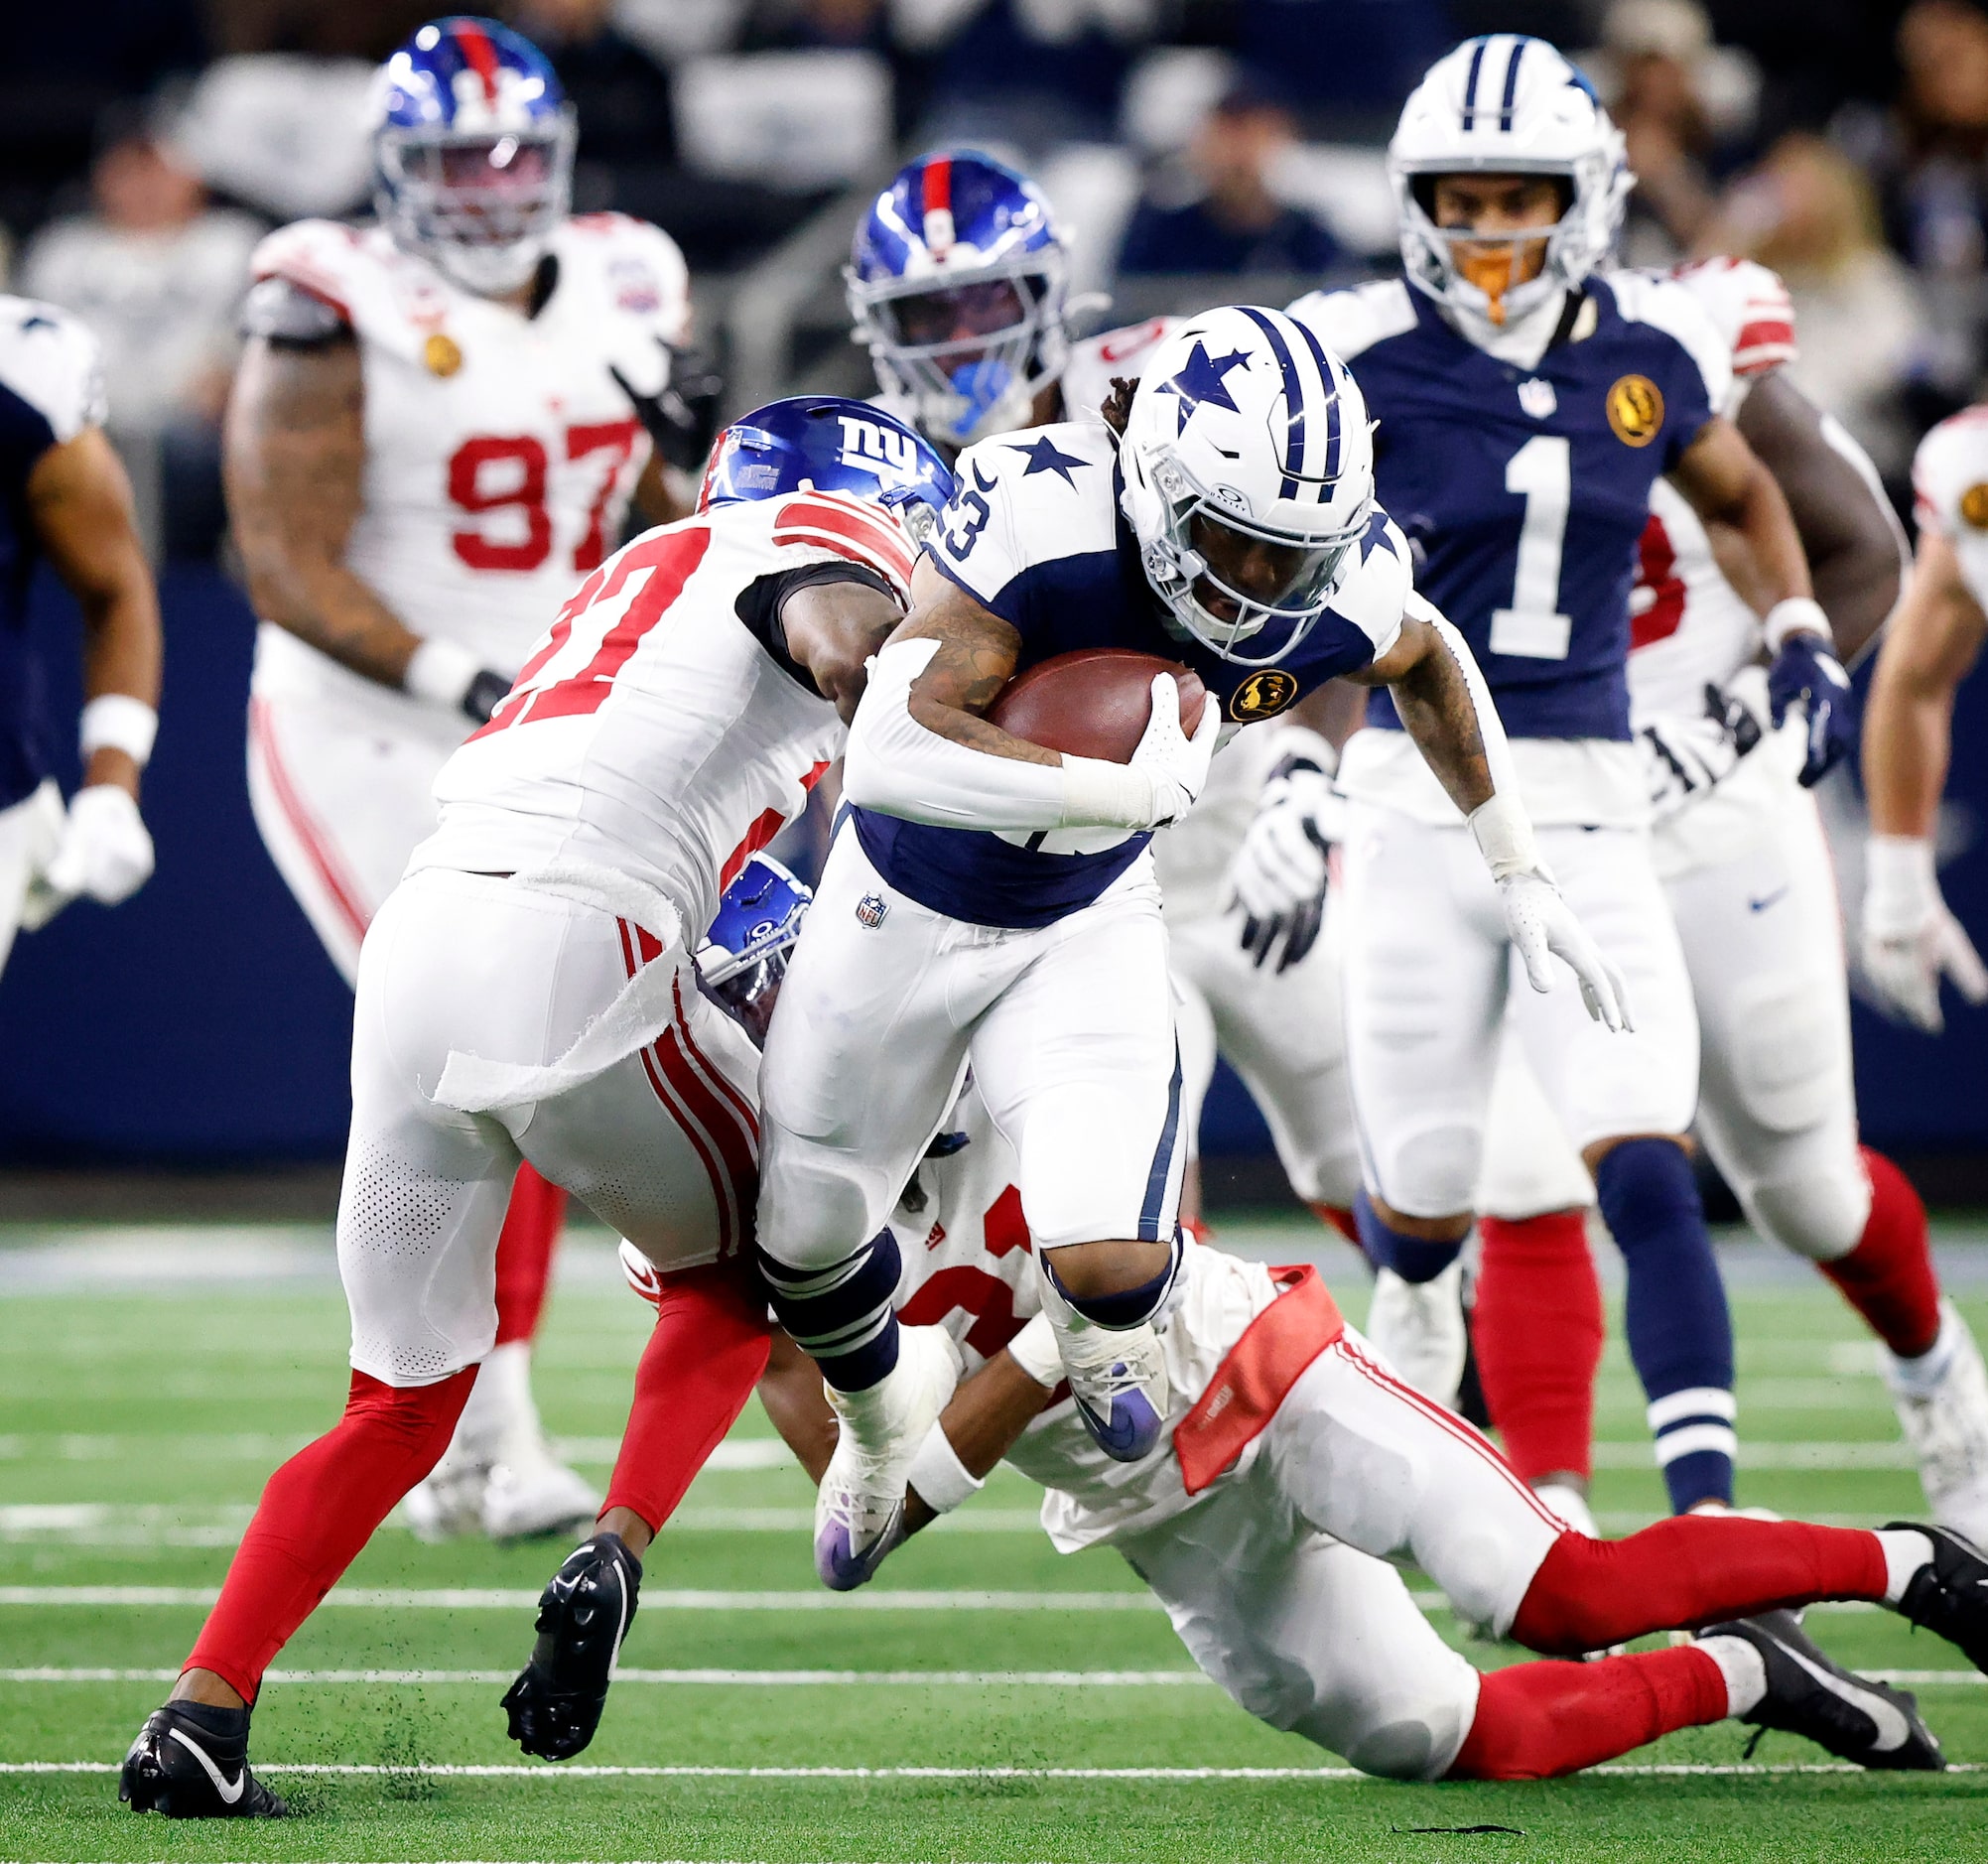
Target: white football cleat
{"x":1118,"y":1376}
{"x":1945,"y":1417}
{"x":1419,"y":1328}
{"x":449,"y":1503}
{"x":860,"y":1506}
{"x":1570,"y":1505}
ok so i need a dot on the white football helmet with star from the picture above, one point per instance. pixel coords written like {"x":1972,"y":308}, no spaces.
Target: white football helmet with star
{"x":1249,"y":480}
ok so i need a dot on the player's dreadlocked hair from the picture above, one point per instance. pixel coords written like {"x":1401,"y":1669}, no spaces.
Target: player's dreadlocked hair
{"x":1117,"y":408}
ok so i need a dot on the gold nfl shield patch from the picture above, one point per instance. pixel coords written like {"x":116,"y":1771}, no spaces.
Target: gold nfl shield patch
{"x":1636,"y":410}
{"x":1974,"y":506}
{"x":1262,"y":695}
{"x":442,"y":353}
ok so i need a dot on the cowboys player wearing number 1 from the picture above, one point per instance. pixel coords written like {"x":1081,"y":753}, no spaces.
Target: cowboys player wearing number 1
{"x":1526,"y":406}
{"x":437,"y":431}
{"x":956,"y":288}
{"x":993,"y":902}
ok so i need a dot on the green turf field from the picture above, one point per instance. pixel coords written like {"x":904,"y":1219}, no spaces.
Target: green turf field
{"x":987,"y":1701}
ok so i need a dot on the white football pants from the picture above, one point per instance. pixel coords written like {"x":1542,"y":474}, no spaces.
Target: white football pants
{"x":342,"y":801}
{"x":1762,"y":937}
{"x":661,"y":1147}
{"x":1278,"y":1585}
{"x":1427,"y":980}
{"x":1069,"y":1030}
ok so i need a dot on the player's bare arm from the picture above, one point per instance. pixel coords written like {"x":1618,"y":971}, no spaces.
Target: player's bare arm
{"x":294,"y":459}
{"x":1851,"y":542}
{"x":1438,"y":709}
{"x":832,"y":631}
{"x":1726,"y":482}
{"x":976,"y":658}
{"x":1932,"y":642}
{"x":80,"y":501}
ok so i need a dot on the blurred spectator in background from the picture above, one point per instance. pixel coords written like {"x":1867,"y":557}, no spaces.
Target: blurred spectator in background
{"x":1686,"y":107}
{"x":1026,"y":73}
{"x":157,"y":274}
{"x":1219,"y":210}
{"x":1347,"y":65}
{"x":1810,"y":214}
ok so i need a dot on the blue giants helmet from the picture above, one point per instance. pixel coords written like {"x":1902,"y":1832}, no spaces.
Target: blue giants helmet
{"x":827,"y":444}
{"x":744,"y":953}
{"x":955,"y":282}
{"x":472,"y":148}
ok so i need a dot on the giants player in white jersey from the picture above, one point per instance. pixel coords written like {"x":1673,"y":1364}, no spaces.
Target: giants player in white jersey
{"x":435,"y":436}
{"x":1910,"y":939}
{"x":1296,"y":1465}
{"x":1748,"y":877}
{"x":956,"y":285}
{"x":528,"y":993}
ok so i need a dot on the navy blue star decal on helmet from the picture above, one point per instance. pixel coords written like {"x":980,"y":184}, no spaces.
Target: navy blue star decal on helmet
{"x":1202,"y":379}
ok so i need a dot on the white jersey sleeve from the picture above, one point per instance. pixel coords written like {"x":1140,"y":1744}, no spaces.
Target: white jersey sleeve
{"x":1099,"y":360}
{"x":1751,"y":309}
{"x":1350,"y":323}
{"x":1950,"y":492}
{"x":1667,"y":305}
{"x":51,"y":364}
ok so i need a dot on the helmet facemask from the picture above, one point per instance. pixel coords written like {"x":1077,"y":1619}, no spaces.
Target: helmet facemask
{"x":480,"y":206}
{"x":970,"y":353}
{"x":1225,"y":577}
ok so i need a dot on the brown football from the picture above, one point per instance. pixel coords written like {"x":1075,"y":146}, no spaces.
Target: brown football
{"x":1094,"y":703}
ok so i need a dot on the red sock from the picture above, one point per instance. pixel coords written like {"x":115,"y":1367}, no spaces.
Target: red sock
{"x":316,"y":1514}
{"x":1688,"y":1571}
{"x":524,"y":1254}
{"x":1889,"y":1276}
{"x":696,"y":1372}
{"x":1538,"y":1332}
{"x":1537,"y":1720}
{"x":1341,"y":1219}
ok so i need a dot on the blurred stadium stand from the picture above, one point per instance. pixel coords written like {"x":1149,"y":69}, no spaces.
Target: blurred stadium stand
{"x":200,"y":1027}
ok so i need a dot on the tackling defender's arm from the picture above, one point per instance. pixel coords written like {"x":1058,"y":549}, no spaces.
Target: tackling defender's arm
{"x":833,"y":631}
{"x":294,"y":456}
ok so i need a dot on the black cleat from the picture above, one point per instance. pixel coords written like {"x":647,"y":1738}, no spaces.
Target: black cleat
{"x":190,"y":1760}
{"x":1810,"y":1693}
{"x":1950,"y":1596}
{"x":585,"y":1611}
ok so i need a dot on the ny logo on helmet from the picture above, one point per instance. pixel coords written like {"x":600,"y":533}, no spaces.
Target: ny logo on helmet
{"x":891,"y":452}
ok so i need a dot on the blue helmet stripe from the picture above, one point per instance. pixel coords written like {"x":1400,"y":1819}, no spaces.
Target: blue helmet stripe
{"x":1470,"y":83}
{"x":1293,"y":397}
{"x":1518,"y":47}
{"x":1332,"y":424}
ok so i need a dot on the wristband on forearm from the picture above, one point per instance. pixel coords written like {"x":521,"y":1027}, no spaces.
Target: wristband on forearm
{"x":943,"y":1482}
{"x":118,"y":722}
{"x":1505,"y":839}
{"x":1099,"y":794}
{"x":1035,"y":1351}
{"x":440,"y":673}
{"x":1798,"y":614}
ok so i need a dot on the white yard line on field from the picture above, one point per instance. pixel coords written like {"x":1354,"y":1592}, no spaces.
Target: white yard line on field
{"x":723,"y":1678}
{"x":515,"y":1599}
{"x":248,"y":1446}
{"x":572,"y":1771}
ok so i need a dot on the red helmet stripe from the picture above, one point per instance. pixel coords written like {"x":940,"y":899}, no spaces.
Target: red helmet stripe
{"x":480,"y":56}
{"x":938,"y":200}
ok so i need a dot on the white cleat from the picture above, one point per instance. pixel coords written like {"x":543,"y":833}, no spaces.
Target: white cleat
{"x":1942,"y":1405}
{"x":449,"y":1503}
{"x":860,"y":1506}
{"x":1570,"y":1505}
{"x":1418,"y":1329}
{"x":531,"y":1492}
{"x":1118,"y":1376}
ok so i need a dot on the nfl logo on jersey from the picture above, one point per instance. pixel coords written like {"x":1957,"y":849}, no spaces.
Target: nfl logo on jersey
{"x":870,"y":908}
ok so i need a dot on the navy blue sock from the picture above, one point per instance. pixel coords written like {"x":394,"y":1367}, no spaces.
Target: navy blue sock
{"x":1680,"y":1332}
{"x":1410,"y":1257}
{"x":1128,"y":1307}
{"x":840,"y":1316}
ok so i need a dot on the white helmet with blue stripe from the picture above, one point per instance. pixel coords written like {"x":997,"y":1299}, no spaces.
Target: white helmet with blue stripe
{"x":1249,"y":480}
{"x":1505,"y":104}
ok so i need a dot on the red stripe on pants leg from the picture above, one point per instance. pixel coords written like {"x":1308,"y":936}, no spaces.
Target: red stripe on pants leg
{"x":719,"y":1184}
{"x":1534,"y":1721}
{"x":719,"y":1122}
{"x":1689,"y":1571}
{"x":316,"y":1514}
{"x":345,"y":897}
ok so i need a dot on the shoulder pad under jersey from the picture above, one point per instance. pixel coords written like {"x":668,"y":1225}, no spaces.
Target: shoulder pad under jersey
{"x":386,"y":297}
{"x":1950,"y":476}
{"x":51,"y":364}
{"x":282,"y":312}
{"x":1350,"y":321}
{"x":1375,"y":595}
{"x":1663,"y":304}
{"x":1750,"y":307}
{"x":1098,"y":360}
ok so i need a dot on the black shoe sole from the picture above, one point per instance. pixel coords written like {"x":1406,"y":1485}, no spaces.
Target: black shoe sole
{"x":555,"y":1705}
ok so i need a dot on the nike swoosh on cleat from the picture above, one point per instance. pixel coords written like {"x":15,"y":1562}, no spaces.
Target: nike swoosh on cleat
{"x":1894,"y":1731}
{"x":229,"y":1793}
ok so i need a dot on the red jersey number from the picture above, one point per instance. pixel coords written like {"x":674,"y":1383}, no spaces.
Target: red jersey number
{"x":506,"y":472}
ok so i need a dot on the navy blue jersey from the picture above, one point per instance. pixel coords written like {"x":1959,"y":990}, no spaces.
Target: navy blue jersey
{"x":1035,"y":534}
{"x":49,"y":391}
{"x":1524,"y":492}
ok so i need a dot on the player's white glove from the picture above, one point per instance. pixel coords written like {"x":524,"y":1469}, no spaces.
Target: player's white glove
{"x":1910,"y":939}
{"x":1279,"y":874}
{"x":1541,"y":925}
{"x":106,"y":852}
{"x":1175,"y":764}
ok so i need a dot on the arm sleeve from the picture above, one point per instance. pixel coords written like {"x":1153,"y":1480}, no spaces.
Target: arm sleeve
{"x":761,"y":602}
{"x":897,"y":767}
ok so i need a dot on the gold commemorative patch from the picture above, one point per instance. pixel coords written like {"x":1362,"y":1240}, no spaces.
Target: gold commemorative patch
{"x":442,"y":353}
{"x":1974,"y":506}
{"x":1262,"y":695}
{"x":1636,"y":410}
